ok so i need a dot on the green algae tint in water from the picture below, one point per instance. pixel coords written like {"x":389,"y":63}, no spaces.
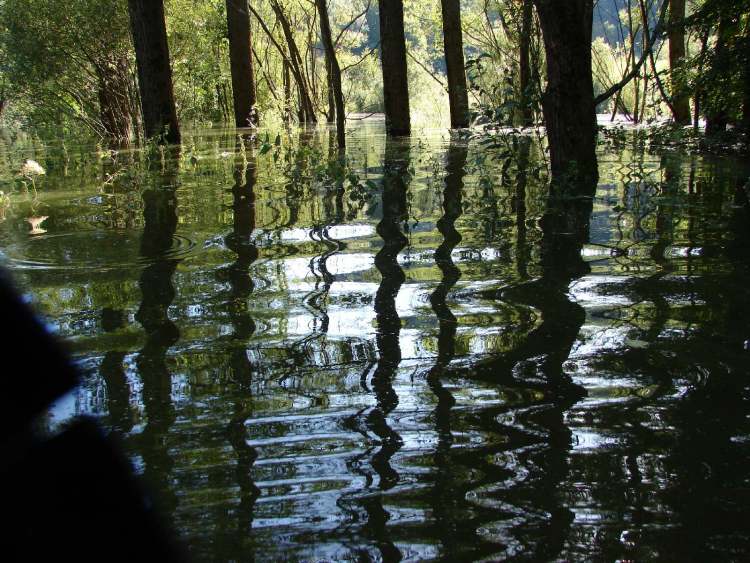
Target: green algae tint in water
{"x":426,"y":361}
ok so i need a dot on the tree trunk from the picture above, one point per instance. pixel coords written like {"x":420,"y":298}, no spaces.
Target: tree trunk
{"x":680,"y":101}
{"x":454,"y":60}
{"x":307,"y":109}
{"x":745,"y":124}
{"x":287,"y":79}
{"x":393,"y":63}
{"x":154,"y":72}
{"x":568,"y":103}
{"x":335,"y":72}
{"x":241,"y":62}
{"x":524,"y":68}
{"x":717,"y":116}
{"x":331,"y":116}
{"x":114,"y":99}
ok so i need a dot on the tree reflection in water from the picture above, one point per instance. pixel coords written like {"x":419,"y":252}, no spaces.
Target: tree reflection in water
{"x":157,"y":294}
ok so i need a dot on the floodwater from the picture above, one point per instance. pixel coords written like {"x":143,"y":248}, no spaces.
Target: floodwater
{"x":416,"y":355}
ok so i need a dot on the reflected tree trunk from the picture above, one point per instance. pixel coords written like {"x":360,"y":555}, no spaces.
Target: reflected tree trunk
{"x":241,"y":282}
{"x":519,"y":206}
{"x":454,"y":60}
{"x":158,"y":293}
{"x":112,"y":370}
{"x":394,"y":204}
{"x":444,"y":502}
{"x":154,"y":72}
{"x":393,"y":62}
{"x":241,"y":62}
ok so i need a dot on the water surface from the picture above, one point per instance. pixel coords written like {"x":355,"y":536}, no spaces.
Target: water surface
{"x":418,"y":356}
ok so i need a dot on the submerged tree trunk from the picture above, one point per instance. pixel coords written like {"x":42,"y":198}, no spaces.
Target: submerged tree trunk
{"x":335,"y":72}
{"x":680,"y":101}
{"x":524,"y":67}
{"x":454,"y":61}
{"x":241,"y":62}
{"x":154,"y":72}
{"x":568,"y":103}
{"x":393,"y":62}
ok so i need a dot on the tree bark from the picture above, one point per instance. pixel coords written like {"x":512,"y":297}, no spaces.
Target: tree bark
{"x":115,"y":104}
{"x":524,"y":67}
{"x":454,"y":60}
{"x":335,"y":72}
{"x":307,"y":109}
{"x":745,"y":124}
{"x":241,"y":63}
{"x":568,"y":103}
{"x":287,"y":79}
{"x":717,"y":117}
{"x":154,"y":73}
{"x":393,"y":62}
{"x":680,"y":101}
{"x":331,"y":116}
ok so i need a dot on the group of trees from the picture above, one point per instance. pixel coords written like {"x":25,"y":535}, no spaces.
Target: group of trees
{"x":137,"y":69}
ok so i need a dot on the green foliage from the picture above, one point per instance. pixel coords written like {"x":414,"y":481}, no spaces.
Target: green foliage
{"x":58,"y":56}
{"x":68,"y":64}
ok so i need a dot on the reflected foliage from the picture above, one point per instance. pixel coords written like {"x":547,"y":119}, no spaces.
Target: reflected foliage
{"x":415,"y":351}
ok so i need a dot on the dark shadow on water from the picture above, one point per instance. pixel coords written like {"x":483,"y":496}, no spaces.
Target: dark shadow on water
{"x":157,"y":294}
{"x":239,"y":275}
{"x":390,"y":229}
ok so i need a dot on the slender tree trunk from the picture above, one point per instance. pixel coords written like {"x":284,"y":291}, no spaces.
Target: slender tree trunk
{"x":287,"y":79}
{"x":680,"y":100}
{"x":154,"y":73}
{"x":568,"y":103}
{"x":114,"y":99}
{"x":524,"y":67}
{"x":746,"y":84}
{"x":454,"y":60}
{"x":335,"y":72}
{"x":241,"y":62}
{"x":717,"y":117}
{"x":296,"y":65}
{"x":393,"y":62}
{"x":331,"y":117}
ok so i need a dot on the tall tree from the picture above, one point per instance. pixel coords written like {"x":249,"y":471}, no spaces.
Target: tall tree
{"x":746,"y":80}
{"x":568,"y":103}
{"x":680,"y":100}
{"x":717,"y":112}
{"x":454,"y":61}
{"x":334,"y":71}
{"x":393,"y":62}
{"x":524,"y":74}
{"x":296,"y":64}
{"x":154,"y":72}
{"x":241,"y":62}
